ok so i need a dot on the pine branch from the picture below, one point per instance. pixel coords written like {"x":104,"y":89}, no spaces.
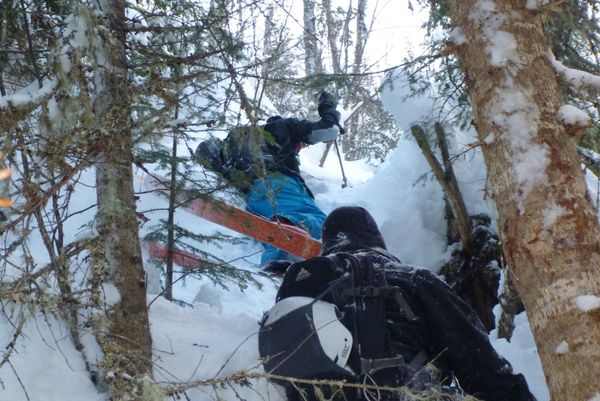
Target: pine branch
{"x":579,"y":80}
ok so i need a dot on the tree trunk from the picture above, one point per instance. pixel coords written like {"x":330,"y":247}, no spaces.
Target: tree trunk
{"x":312,"y":56}
{"x":447,"y":180}
{"x":331,"y":37}
{"x":362,"y":34}
{"x":127,"y":343}
{"x":355,"y":94}
{"x":549,"y":227}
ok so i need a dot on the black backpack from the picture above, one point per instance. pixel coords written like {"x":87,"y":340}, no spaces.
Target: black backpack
{"x":243,"y":156}
{"x":360,"y":292}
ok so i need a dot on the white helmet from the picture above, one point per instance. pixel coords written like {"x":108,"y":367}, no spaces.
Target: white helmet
{"x":288,"y":342}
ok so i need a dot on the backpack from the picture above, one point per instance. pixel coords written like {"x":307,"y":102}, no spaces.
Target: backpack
{"x":242,"y":157}
{"x":360,"y":293}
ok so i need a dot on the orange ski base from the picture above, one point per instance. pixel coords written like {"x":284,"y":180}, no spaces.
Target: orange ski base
{"x":285,"y":237}
{"x":159,"y":250}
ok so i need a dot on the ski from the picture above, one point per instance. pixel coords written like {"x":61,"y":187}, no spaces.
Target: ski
{"x":285,"y":237}
{"x":159,"y":250}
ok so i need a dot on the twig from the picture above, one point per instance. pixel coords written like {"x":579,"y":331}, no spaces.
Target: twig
{"x":19,"y":380}
{"x":11,"y":345}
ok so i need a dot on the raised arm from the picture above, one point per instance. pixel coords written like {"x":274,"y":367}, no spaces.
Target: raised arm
{"x":326,"y":129}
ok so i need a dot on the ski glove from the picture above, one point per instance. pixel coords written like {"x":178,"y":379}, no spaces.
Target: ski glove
{"x":331,"y":116}
{"x":327,"y":105}
{"x":326,"y":100}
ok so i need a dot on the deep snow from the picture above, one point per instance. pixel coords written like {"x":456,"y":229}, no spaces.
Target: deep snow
{"x":218,"y":335}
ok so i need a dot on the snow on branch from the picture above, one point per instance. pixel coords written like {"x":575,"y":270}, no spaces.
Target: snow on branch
{"x":574,"y":119}
{"x":31,"y":95}
{"x":16,"y":106}
{"x":576,"y":78}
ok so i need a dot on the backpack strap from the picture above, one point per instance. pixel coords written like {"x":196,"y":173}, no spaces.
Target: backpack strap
{"x":345,"y":289}
{"x":401,"y":301}
{"x":369,"y":292}
{"x":370,"y":366}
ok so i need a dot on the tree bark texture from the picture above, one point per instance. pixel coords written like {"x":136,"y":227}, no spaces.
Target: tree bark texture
{"x":312,"y":55}
{"x":127,"y":345}
{"x":331,"y":37}
{"x":447,"y":180}
{"x":548,"y":225}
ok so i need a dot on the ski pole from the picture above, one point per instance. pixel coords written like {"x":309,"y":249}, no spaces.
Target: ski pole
{"x":337,"y":149}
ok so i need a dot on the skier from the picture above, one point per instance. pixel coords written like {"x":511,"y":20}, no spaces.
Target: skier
{"x":268,"y":171}
{"x":282,"y":194}
{"x":403,"y":319}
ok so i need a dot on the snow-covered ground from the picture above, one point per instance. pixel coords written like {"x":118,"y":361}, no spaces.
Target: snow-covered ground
{"x":218,"y":336}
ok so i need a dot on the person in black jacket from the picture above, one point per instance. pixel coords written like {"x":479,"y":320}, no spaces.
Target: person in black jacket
{"x":282,"y":193}
{"x":441,"y":329}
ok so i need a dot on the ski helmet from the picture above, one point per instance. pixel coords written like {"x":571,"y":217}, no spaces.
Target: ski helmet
{"x":303,"y":337}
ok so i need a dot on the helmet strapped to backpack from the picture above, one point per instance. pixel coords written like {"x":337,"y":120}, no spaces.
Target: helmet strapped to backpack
{"x":302,"y":337}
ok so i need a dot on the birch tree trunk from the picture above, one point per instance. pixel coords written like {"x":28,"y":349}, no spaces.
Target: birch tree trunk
{"x":312,"y":55}
{"x":127,"y":344}
{"x":331,"y":37}
{"x":356,"y":93}
{"x":549,"y":226}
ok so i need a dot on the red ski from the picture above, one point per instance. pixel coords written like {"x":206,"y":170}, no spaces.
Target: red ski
{"x":285,"y":237}
{"x":159,"y":250}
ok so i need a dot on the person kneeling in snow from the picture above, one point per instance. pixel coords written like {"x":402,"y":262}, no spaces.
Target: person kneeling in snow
{"x":394,"y":325}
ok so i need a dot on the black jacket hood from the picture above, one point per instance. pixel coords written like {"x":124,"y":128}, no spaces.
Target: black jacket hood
{"x":350,"y":228}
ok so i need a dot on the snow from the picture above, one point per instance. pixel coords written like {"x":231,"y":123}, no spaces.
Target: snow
{"x":586,"y":303}
{"x":44,"y":365}
{"x":535,"y":4}
{"x":552,"y":213}
{"x":111,"y":294}
{"x":519,"y":116}
{"x":577,"y":79}
{"x":489,"y":139}
{"x":521,"y":352}
{"x":217,"y":335}
{"x":571,"y":115}
{"x":29,"y":95}
{"x":502,"y":45}
{"x":179,"y":122}
{"x":457,"y":36}
{"x":515,"y":112}
{"x":562,"y":348}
